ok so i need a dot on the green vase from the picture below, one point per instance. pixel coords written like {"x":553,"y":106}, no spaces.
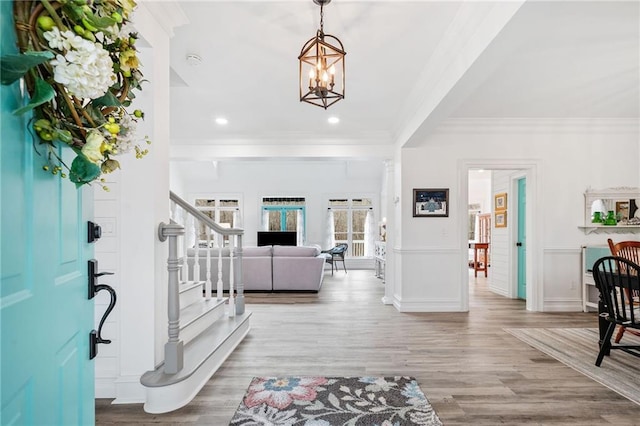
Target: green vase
{"x":597,"y":217}
{"x":610,"y":219}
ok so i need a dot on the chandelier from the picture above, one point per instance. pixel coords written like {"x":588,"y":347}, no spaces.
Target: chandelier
{"x":322,"y":67}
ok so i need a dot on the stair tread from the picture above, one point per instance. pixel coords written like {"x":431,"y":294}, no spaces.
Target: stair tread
{"x":196,"y":351}
{"x":188,"y":285}
{"x":192,"y":312}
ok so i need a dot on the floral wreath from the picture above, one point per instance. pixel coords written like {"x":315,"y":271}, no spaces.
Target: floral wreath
{"x":79,"y":66}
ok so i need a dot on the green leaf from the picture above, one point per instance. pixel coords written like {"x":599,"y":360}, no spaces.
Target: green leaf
{"x":108,"y":100}
{"x":95,"y":114}
{"x":83,"y":171}
{"x":13,"y":67}
{"x":100,"y":22}
{"x":43,"y":92}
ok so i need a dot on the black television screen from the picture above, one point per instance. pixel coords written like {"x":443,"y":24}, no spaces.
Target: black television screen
{"x":277,"y":238}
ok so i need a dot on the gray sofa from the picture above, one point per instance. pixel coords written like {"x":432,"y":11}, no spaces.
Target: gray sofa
{"x":267,"y":268}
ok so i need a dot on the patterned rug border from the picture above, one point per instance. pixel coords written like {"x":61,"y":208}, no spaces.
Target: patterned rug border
{"x":614,"y":373}
{"x":335,"y":400}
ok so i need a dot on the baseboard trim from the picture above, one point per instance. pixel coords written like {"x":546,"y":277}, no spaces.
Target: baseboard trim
{"x":431,"y":305}
{"x":129,"y":390}
{"x":562,"y":305}
{"x":499,"y":291}
{"x":105,"y":388}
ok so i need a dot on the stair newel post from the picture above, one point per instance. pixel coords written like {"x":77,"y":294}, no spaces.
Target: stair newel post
{"x":232,"y":302}
{"x":196,"y":256}
{"x":219,"y":283}
{"x":240,"y":286}
{"x":173,"y":349}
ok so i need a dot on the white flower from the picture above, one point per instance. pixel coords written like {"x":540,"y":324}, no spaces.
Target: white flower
{"x":54,"y":38}
{"x":91,"y":148}
{"x":86,"y":69}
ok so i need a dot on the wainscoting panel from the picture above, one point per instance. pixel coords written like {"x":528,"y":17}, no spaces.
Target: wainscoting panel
{"x":431,"y":280}
{"x":562,"y":280}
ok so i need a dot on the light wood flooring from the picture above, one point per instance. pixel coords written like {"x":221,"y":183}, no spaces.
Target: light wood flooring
{"x":472,"y":371}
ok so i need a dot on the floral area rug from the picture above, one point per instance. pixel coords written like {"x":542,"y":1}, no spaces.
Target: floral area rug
{"x":329,"y":401}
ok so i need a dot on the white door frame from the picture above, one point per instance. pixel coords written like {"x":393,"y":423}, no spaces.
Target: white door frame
{"x":531,"y":169}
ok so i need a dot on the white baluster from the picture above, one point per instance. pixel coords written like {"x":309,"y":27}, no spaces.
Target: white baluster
{"x":196,"y":256}
{"x":232,"y":301}
{"x":207,"y":284}
{"x":185,"y":245}
{"x":219,"y":283}
{"x":173,"y":211}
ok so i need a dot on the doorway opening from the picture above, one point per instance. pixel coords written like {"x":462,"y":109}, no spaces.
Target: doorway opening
{"x":503,"y":194}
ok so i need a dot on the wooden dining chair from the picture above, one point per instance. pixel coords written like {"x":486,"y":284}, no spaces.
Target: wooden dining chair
{"x":629,"y":250}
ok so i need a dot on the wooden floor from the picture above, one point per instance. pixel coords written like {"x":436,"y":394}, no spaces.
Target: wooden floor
{"x":472,"y":371}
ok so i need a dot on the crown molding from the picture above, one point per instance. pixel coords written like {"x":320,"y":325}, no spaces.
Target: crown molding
{"x":169,"y":14}
{"x":541,"y":125}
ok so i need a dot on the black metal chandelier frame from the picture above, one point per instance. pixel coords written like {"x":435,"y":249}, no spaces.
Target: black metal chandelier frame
{"x":321,"y":60}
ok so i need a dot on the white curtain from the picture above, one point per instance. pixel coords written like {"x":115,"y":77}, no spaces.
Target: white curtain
{"x":331,"y":230}
{"x":369,"y":234}
{"x":265,"y":220}
{"x":237,"y":218}
{"x":300,"y":227}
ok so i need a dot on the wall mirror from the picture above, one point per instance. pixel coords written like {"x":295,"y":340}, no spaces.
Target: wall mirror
{"x":612,"y":207}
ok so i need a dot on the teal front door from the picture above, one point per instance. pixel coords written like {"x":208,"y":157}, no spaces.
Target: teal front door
{"x":522,"y":239}
{"x":45,"y":315}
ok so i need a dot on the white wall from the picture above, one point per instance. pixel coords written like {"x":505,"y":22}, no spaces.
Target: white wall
{"x":316,"y":181}
{"x":480,"y":189}
{"x":573,"y":155}
{"x":137,"y":203}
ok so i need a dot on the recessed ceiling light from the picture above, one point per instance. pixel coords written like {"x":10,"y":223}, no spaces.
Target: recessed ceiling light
{"x":333,"y":120}
{"x":221,"y":121}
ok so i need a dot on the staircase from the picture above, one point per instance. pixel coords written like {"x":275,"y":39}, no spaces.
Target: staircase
{"x":203,"y":330}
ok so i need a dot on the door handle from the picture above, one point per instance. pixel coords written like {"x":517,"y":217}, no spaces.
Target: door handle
{"x":95,"y":337}
{"x":93,"y":277}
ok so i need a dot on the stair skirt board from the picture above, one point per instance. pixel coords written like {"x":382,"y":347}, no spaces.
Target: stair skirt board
{"x":167,"y":393}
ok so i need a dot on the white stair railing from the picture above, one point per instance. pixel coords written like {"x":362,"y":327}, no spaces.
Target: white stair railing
{"x":195,"y":220}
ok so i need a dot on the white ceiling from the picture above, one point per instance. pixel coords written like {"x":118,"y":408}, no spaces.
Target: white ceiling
{"x":552,"y":59}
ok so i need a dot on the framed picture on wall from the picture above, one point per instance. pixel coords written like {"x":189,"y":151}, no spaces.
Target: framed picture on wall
{"x":500,"y":219}
{"x":500,"y":201}
{"x":431,"y":202}
{"x":622,"y":210}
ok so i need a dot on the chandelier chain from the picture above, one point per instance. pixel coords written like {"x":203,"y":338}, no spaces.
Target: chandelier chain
{"x":322,"y":18}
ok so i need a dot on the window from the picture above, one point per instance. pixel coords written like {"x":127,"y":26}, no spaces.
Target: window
{"x":284,"y":214}
{"x":352,"y":220}
{"x":225,"y":212}
{"x":474,"y":211}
